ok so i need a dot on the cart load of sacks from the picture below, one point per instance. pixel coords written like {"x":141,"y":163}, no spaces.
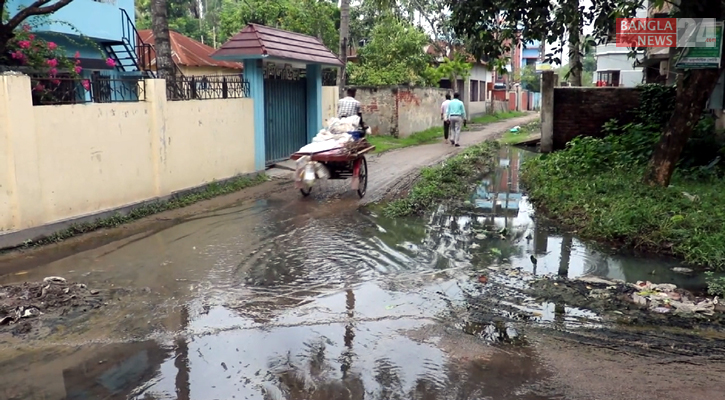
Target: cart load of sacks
{"x":338,"y":132}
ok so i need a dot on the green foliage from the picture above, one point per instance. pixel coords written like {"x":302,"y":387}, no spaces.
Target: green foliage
{"x":210,"y":191}
{"x":222,"y":19}
{"x":455,"y":68}
{"x":594,"y":186}
{"x":490,"y":118}
{"x":393,"y":56}
{"x":450,"y":180}
{"x":529,"y":79}
{"x":492,"y":23}
{"x":715,"y":285}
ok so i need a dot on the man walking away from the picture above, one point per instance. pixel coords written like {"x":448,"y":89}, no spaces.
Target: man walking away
{"x":456,"y":114}
{"x":446,"y":123}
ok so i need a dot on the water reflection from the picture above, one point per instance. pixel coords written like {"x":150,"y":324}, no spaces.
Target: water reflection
{"x":499,"y":204}
{"x":299,"y":300}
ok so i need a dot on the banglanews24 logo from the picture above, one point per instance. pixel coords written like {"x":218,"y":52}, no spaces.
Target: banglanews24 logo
{"x":667,"y":32}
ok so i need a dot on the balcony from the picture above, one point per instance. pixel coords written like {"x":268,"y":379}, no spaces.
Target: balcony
{"x":97,"y":19}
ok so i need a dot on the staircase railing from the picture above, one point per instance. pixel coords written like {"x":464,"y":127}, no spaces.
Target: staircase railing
{"x":146,"y":54}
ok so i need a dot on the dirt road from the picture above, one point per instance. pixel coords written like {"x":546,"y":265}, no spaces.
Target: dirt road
{"x":393,"y":171}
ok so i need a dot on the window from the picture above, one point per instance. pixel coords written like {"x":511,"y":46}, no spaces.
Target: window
{"x":608,"y":78}
{"x":474,"y":91}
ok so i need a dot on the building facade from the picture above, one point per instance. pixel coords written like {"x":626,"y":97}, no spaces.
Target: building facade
{"x":615,"y":67}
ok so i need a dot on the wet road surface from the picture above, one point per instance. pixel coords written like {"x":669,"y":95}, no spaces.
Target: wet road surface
{"x":317,"y":299}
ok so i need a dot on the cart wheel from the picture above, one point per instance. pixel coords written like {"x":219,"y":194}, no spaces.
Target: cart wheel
{"x":363,"y":178}
{"x":306,"y":192}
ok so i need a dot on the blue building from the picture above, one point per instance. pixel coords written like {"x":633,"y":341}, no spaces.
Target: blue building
{"x":97,"y":30}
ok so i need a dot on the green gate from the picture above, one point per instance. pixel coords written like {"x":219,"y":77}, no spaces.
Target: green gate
{"x":285,"y":118}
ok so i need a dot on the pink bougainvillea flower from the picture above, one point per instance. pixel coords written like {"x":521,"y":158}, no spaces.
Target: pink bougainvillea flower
{"x":86,"y":84}
{"x":78,"y":54}
{"x":39,"y":88}
{"x":110,"y":62}
{"x":18,"y":55}
{"x":56,"y":81}
{"x":53,"y":72}
{"x":78,"y":69}
{"x":24,"y":44}
{"x":52,"y":46}
{"x":52,"y":63}
{"x":26,"y":27}
{"x":31,"y":37}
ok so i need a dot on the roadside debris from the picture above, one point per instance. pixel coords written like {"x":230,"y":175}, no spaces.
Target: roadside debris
{"x":26,"y":302}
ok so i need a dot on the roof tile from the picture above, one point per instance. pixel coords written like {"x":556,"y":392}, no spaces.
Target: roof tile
{"x":188,"y":52}
{"x":260,"y":40}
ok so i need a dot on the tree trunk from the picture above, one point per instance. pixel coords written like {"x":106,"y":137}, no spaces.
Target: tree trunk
{"x":689,"y":104}
{"x":454,"y":84}
{"x":344,"y":35}
{"x":162,"y":42}
{"x":575,"y":58}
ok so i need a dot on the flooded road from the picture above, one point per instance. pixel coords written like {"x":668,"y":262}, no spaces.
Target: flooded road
{"x":289,"y":298}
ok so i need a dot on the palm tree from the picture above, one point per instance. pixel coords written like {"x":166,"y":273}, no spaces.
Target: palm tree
{"x":160,"y":27}
{"x":344,"y":35}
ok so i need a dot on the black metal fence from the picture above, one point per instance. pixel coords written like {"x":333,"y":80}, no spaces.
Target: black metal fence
{"x":207,"y":87}
{"x":96,"y":89}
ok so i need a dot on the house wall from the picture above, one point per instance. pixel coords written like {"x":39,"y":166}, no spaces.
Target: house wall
{"x":612,"y":58}
{"x":72,"y":161}
{"x":95,"y":19}
{"x":582,"y":111}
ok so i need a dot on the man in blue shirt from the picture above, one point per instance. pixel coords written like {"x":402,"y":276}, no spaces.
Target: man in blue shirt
{"x":456,"y":114}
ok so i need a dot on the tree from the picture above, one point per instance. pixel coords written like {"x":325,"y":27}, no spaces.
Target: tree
{"x":393,"y":56}
{"x":344,"y":37}
{"x":458,"y":67}
{"x":10,"y":23}
{"x":490,"y":21}
{"x":160,"y":25}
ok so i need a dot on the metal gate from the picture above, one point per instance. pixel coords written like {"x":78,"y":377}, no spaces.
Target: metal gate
{"x":285,"y":118}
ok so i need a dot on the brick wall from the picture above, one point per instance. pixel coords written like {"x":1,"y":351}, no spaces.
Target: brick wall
{"x":400,"y":111}
{"x":582,"y":111}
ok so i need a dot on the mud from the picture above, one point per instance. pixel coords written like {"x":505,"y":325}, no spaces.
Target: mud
{"x":25,"y":307}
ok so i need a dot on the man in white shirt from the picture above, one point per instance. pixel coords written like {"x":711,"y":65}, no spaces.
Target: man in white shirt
{"x":446,"y":122}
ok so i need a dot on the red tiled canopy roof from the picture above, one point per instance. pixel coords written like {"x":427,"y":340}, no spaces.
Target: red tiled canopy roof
{"x":188,"y":52}
{"x":260,"y":40}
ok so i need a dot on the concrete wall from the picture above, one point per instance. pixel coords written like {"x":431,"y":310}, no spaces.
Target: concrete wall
{"x":70,"y":161}
{"x":330,"y":97}
{"x":400,"y":111}
{"x":582,"y":111}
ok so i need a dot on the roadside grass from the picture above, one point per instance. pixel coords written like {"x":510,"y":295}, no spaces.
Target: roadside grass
{"x":449,"y":180}
{"x":487,"y":119}
{"x":212,"y":190}
{"x":613,"y":205}
{"x":385,"y":143}
{"x":523,"y":133}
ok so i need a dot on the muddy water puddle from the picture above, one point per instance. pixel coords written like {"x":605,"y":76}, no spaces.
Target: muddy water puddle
{"x":312,"y":299}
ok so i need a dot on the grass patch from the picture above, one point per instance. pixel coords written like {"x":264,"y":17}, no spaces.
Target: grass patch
{"x":487,"y":119}
{"x":212,"y":190}
{"x":450,"y":180}
{"x":686,"y":220}
{"x":385,"y":143}
{"x":518,"y":137}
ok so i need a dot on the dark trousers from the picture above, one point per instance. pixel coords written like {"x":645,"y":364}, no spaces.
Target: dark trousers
{"x":446,"y":129}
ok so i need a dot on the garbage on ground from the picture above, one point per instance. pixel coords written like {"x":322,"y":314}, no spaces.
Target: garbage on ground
{"x":515,"y":129}
{"x":666,"y":295}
